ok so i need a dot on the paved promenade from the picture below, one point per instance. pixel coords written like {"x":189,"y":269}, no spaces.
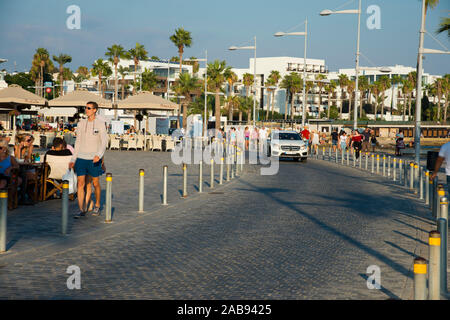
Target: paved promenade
{"x":309,"y":232}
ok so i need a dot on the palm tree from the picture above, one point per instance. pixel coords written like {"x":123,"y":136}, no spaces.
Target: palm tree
{"x":438,"y":87}
{"x":385,"y":83}
{"x":286,"y":83}
{"x":115,"y":53}
{"x":184,"y":86}
{"x":406,"y":85}
{"x":444,"y":26}
{"x":308,"y":87}
{"x":216,"y":78}
{"x":274,"y":78}
{"x":343,"y":80}
{"x":320,"y":85}
{"x":446,"y":90}
{"x":363,"y":86}
{"x":181,"y":38}
{"x":137,"y":53}
{"x":123,"y":71}
{"x":350,"y":90}
{"x":395,"y":80}
{"x":232,"y":103}
{"x":62,"y":59}
{"x":330,"y":89}
{"x":101,"y":69}
{"x":231,"y":78}
{"x":248,"y":80}
{"x":375,"y":88}
{"x":41,"y":62}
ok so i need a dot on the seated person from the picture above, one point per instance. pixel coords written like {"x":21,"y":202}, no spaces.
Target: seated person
{"x":58,"y":149}
{"x":23,"y":150}
{"x":7,"y":163}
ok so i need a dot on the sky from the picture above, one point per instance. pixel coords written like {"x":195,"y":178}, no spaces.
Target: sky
{"x":26,"y":25}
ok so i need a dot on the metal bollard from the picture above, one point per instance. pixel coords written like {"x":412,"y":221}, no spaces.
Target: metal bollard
{"x":236,"y":163}
{"x":367,"y":161}
{"x":440,"y":193}
{"x":164,"y":186}
{"x":221,"y":171}
{"x":420,"y":279}
{"x":348,"y":158}
{"x":434,"y":289}
{"x":329,"y":154}
{"x":108,"y":206}
{"x":416,"y":178}
{"x":443,"y":229}
{"x":354,"y":158}
{"x":184,"y":180}
{"x":211,"y":183}
{"x":421,"y":175}
{"x":65,"y":207}
{"x":389,"y":166}
{"x":336,"y":154}
{"x":323,"y":153}
{"x":141,"y":190}
{"x":411,"y":175}
{"x":3,"y":219}
{"x":373,"y":163}
{"x":400,"y":171}
{"x":427,"y":187}
{"x":405,"y":175}
{"x":394,"y":169}
{"x":433,"y":196}
{"x":384,"y":166}
{"x":378,"y":164}
{"x":342,"y":156}
{"x":200,"y":176}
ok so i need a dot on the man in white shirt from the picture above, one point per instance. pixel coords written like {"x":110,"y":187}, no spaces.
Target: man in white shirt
{"x":90,"y":146}
{"x":444,"y":155}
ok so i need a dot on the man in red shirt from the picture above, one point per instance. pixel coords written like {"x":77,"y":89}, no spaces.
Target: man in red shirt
{"x":306,"y":135}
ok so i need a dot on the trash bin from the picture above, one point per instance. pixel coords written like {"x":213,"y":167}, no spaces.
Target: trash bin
{"x":43,"y":141}
{"x":431,"y":159}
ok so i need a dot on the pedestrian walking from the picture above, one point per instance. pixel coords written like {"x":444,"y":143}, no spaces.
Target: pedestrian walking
{"x":444,"y":155}
{"x":314,"y":141}
{"x":356,"y":142}
{"x":366,"y":140}
{"x":373,"y":141}
{"x":334,"y":139}
{"x":399,"y":143}
{"x":343,"y":141}
{"x":90,"y":146}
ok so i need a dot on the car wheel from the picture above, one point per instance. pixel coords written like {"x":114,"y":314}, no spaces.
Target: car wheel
{"x":304,"y":159}
{"x":269,"y":152}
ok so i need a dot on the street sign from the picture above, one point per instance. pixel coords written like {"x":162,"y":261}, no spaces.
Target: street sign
{"x":48,"y":84}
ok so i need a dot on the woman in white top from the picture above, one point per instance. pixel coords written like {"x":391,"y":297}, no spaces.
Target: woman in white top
{"x":342,"y":141}
{"x":315,"y":141}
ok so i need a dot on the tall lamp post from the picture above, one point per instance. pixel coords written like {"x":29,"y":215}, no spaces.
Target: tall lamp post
{"x":254,"y":73}
{"x":206,"y":90}
{"x":422,"y":50}
{"x":281,"y":34}
{"x":327,"y":13}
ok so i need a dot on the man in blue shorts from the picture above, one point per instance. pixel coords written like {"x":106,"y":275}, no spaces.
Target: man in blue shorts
{"x":90,"y":146}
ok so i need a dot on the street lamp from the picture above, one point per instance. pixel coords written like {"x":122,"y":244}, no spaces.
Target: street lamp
{"x":232,"y":48}
{"x":305,"y":33}
{"x":327,"y":13}
{"x":422,"y":50}
{"x":206,"y":90}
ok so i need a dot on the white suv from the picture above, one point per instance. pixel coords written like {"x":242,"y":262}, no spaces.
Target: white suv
{"x":287,"y":144}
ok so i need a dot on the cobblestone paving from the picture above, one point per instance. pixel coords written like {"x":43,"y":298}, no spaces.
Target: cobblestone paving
{"x":309,"y":232}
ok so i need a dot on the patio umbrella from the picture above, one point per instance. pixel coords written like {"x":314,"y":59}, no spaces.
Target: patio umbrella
{"x":78,"y":98}
{"x":146,"y":101}
{"x":15,"y":96}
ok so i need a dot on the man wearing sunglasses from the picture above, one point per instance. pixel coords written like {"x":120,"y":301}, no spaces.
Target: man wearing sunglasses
{"x":90,"y":146}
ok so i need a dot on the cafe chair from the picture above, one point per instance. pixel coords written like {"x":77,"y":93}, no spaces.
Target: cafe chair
{"x":55,"y":168}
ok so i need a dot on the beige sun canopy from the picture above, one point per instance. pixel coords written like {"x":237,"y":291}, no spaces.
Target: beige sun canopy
{"x":79,"y":98}
{"x":15,"y":95}
{"x":147,"y":101}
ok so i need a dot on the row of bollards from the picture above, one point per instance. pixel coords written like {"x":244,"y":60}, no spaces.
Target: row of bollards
{"x":430,"y":277}
{"x":234,"y":167}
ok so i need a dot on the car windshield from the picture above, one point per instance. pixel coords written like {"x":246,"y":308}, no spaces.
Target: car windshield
{"x":288,"y":136}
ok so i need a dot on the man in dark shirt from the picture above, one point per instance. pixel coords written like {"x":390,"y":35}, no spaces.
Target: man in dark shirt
{"x":366,"y":140}
{"x":58,"y":149}
{"x":334,"y":139}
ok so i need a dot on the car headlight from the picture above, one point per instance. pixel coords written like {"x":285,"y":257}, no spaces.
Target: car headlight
{"x":276,"y":146}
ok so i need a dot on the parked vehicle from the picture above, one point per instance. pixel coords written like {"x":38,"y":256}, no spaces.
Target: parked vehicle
{"x":287,"y":144}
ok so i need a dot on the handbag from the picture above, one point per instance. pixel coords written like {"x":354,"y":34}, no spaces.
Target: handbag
{"x":71,"y":177}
